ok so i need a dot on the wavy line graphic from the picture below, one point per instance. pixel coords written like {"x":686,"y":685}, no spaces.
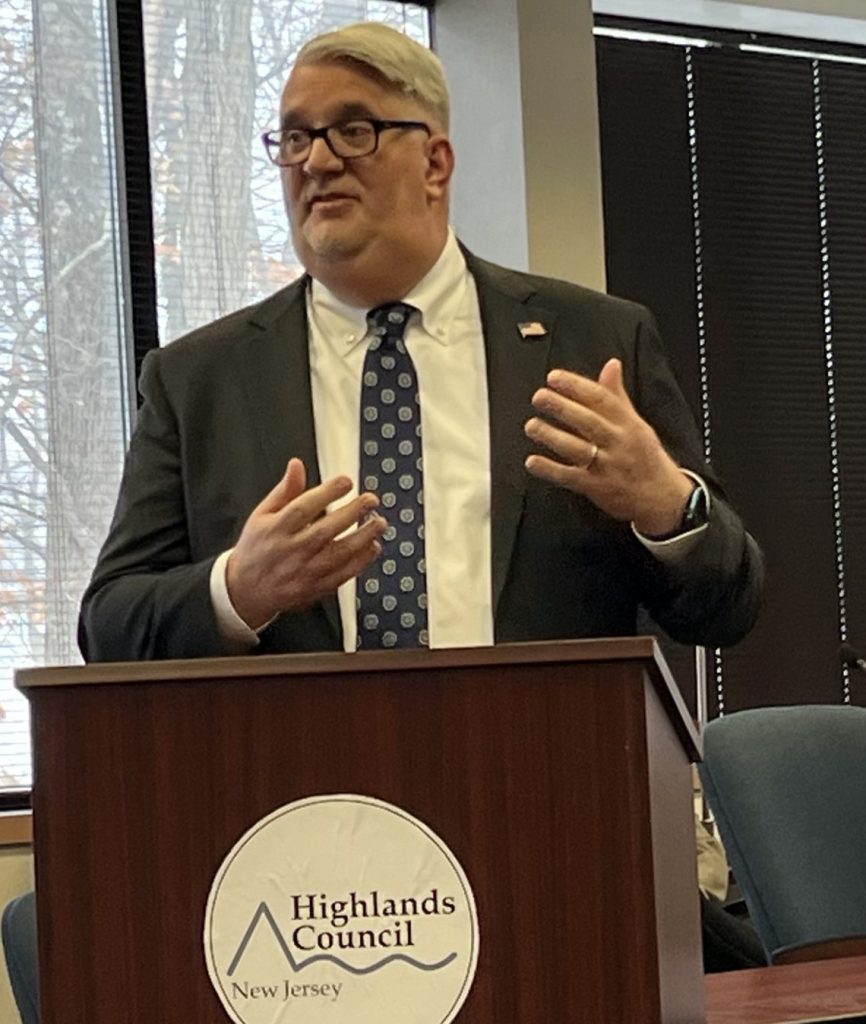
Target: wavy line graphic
{"x":263,"y":911}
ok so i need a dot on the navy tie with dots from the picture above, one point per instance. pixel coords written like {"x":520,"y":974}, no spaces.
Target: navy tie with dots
{"x":392,"y":591}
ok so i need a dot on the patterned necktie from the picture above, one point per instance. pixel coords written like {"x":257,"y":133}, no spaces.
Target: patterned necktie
{"x":392,"y":592}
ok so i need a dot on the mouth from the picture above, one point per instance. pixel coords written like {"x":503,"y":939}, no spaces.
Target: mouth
{"x":329,"y":201}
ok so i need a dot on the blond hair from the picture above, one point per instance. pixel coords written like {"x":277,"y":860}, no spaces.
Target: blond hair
{"x":404,"y":65}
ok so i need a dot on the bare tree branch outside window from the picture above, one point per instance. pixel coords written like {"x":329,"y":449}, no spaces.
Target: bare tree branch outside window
{"x":61,"y":415}
{"x":215,"y":69}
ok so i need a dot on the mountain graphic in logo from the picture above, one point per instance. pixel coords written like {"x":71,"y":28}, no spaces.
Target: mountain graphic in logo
{"x":341,"y":909}
{"x":263,"y":912}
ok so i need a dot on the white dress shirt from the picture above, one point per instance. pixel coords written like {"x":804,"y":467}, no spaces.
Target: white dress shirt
{"x":446,"y":343}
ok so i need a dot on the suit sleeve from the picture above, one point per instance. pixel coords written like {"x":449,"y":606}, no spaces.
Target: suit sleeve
{"x":712,"y":596}
{"x":147,"y":597}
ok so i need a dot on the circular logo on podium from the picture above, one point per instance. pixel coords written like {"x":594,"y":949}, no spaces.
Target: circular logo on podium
{"x":341,"y":909}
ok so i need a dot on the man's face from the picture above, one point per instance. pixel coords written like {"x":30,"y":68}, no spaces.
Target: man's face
{"x":377,"y":206}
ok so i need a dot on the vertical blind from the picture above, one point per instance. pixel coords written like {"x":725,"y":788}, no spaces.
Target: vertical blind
{"x":734,"y":187}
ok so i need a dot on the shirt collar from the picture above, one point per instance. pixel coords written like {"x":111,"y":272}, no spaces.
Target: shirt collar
{"x":439,"y":295}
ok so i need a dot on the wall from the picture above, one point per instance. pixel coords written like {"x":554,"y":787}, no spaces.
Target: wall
{"x":837,"y":20}
{"x":825,"y":8}
{"x":478,"y":44}
{"x":527,"y":191}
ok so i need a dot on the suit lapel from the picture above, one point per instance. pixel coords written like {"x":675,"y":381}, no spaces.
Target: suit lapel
{"x":275,"y":368}
{"x":516,"y":368}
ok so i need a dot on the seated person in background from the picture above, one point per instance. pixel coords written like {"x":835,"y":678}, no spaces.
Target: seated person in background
{"x":730,"y":942}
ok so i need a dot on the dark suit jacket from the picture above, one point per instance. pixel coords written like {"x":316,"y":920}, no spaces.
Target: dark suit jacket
{"x":227,"y":406}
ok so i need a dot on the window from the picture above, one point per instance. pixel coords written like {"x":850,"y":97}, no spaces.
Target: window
{"x":213,"y":71}
{"x":62,"y":340}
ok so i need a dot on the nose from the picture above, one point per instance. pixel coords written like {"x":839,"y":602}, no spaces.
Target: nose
{"x":321,"y":159}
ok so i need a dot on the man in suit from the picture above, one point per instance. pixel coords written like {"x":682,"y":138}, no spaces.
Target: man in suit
{"x":563,"y":482}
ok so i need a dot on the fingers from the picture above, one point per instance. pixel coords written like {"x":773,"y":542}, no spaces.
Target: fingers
{"x":579,"y":415}
{"x":292,"y":550}
{"x":330,"y":526}
{"x":592,"y":409}
{"x":602,"y":448}
{"x":555,"y":472}
{"x":316,"y":573}
{"x":308,"y":506}
{"x":290,"y":485}
{"x":611,"y":378}
{"x":349,"y":556}
{"x":573,"y":449}
{"x":574,"y":417}
{"x":297,"y":507}
{"x":592,"y":394}
{"x":296,"y":478}
{"x":306,"y":526}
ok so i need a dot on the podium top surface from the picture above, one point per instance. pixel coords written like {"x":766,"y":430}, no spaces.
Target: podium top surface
{"x":641,"y":648}
{"x":619,"y":649}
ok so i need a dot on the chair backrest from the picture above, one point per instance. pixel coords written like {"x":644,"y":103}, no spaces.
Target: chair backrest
{"x":787,"y":786}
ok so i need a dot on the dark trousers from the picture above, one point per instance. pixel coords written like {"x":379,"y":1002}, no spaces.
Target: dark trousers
{"x":730,"y":942}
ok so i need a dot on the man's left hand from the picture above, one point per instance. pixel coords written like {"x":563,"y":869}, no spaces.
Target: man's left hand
{"x":606,"y":451}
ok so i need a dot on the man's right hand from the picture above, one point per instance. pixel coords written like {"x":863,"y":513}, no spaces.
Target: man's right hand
{"x":290,"y":552}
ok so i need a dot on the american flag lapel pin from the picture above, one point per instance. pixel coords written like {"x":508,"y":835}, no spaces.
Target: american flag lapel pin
{"x":532,"y":329}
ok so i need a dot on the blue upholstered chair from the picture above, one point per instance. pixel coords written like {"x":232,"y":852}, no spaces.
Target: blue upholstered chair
{"x":19,"y":946}
{"x":787,"y":786}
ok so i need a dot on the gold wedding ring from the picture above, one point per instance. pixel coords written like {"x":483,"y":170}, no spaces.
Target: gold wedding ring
{"x":592,"y":457}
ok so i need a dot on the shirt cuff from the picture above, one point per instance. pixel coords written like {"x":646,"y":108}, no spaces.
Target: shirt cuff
{"x":677,"y":548}
{"x":238,"y":636}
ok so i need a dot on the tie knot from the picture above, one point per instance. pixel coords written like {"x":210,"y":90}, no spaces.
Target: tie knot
{"x":389,"y":321}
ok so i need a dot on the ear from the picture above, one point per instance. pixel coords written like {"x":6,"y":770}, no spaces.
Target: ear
{"x":440,"y":165}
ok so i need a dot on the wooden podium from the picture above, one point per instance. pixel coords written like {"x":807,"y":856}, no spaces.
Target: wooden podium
{"x":557,"y":773}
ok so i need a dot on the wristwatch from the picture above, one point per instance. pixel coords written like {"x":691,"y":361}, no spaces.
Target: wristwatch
{"x":695,"y":514}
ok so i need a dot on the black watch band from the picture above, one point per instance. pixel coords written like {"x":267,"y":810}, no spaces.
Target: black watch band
{"x":694,"y":515}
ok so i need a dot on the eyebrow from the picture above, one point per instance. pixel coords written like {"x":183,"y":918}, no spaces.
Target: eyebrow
{"x":345,"y":112}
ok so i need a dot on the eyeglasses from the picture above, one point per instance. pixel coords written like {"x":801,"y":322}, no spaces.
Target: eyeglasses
{"x":347,"y":140}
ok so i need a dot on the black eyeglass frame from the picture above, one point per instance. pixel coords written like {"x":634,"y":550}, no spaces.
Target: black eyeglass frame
{"x":271,"y":139}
